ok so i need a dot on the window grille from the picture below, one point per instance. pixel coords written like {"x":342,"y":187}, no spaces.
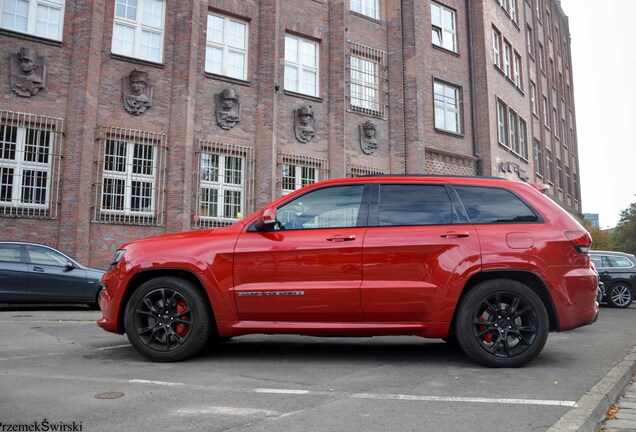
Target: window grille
{"x":130,"y":177}
{"x":295,"y":171}
{"x":360,"y":170}
{"x":224,"y":184}
{"x":30,"y":159}
{"x":367,"y":80}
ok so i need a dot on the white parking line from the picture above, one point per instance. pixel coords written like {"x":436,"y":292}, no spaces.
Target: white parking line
{"x":281,"y":391}
{"x":31,"y":356}
{"x":158,"y":383}
{"x":224,"y":410}
{"x":463,"y":399}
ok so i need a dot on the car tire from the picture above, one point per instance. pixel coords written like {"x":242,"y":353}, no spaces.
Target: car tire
{"x":167,"y":319}
{"x":619,"y":295}
{"x":501,"y":323}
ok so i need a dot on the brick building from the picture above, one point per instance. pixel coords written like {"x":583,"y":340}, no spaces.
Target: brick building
{"x":143,"y":117}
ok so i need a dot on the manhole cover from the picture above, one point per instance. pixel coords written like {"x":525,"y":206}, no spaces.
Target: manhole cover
{"x":109,"y":395}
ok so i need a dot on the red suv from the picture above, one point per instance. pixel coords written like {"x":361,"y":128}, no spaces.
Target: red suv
{"x":490,"y":264}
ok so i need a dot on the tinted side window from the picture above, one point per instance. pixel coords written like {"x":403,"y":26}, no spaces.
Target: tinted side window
{"x":10,"y":253}
{"x":618,"y":261}
{"x":404,"y":205}
{"x":492,"y":205}
{"x":45,"y":256}
{"x":332,"y":207}
{"x":597,"y":260}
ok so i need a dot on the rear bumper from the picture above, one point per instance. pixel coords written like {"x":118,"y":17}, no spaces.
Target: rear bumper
{"x":578,"y":304}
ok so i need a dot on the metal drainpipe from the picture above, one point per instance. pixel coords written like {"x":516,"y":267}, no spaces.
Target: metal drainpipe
{"x":404,"y":89}
{"x":473,"y":101}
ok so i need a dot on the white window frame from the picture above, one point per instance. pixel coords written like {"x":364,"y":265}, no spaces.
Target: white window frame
{"x":446,"y":32}
{"x":139,"y":29}
{"x":370,"y":8}
{"x":533,"y":98}
{"x":513,"y":124}
{"x":226,"y":46}
{"x":129,"y":177}
{"x":496,"y":47}
{"x":512,"y":10}
{"x":538,"y":158}
{"x":224,"y":178}
{"x":507,"y":59}
{"x":20,"y":166}
{"x":364,"y":74}
{"x":546,"y":115}
{"x":300,"y":67}
{"x":517,"y":70}
{"x":502,"y":137}
{"x":447,"y":105}
{"x":523,"y":138}
{"x":32,"y":18}
{"x":302,"y":175}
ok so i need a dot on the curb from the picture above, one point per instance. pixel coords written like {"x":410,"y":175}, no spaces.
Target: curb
{"x":591,"y":408}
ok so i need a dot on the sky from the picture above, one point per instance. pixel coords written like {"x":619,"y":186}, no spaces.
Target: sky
{"x":603,"y":35}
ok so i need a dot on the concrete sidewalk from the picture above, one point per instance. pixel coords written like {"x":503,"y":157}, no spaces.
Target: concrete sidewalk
{"x":617,"y":387}
{"x":624,"y":419}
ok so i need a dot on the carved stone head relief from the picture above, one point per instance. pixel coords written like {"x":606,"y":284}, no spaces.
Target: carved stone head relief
{"x":304,"y":123}
{"x":368,"y":137}
{"x":136,"y":92}
{"x":28,"y":72}
{"x":228,"y":108}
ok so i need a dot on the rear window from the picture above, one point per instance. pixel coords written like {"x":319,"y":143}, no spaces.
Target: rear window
{"x":486,"y":205}
{"x":407,"y":205}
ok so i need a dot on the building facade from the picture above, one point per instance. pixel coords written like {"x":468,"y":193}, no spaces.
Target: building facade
{"x":123,"y":119}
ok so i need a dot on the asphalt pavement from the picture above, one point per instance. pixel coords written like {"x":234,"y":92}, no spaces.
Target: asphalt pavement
{"x":57,"y":366}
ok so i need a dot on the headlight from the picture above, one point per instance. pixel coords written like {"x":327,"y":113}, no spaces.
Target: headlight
{"x":119,"y":254}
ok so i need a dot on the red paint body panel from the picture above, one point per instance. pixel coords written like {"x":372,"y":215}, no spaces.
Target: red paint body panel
{"x":407,"y":271}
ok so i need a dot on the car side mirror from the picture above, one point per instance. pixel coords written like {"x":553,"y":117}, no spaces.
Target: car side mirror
{"x":266,"y":219}
{"x":69,"y":266}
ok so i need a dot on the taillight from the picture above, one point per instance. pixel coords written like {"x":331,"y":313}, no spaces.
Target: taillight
{"x":581,"y":240}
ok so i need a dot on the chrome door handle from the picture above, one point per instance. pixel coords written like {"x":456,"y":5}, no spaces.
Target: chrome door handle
{"x":455,"y":234}
{"x":341,"y":238}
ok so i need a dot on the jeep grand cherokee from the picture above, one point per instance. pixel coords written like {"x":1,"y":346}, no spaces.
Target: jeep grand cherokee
{"x":491,"y":264}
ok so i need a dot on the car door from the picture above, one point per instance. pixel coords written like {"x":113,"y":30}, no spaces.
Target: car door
{"x":309,"y":268}
{"x":52,"y":279}
{"x":418,"y":247}
{"x":14,"y":274}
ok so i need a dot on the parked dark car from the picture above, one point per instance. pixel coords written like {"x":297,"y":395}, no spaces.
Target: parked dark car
{"x":617,"y":271}
{"x":35,"y":273}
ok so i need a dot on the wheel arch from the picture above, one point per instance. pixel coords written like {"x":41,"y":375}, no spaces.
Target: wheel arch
{"x":530,"y":279}
{"x":144,"y":276}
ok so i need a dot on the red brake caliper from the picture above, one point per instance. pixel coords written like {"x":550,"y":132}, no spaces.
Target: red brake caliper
{"x":487,"y":337}
{"x":182,"y":329}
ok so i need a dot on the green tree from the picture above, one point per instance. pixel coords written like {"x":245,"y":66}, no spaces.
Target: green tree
{"x":625,"y":233}
{"x":601,"y":240}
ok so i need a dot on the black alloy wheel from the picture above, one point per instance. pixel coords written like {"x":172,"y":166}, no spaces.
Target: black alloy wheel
{"x":167,"y":319}
{"x":502,"y":323}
